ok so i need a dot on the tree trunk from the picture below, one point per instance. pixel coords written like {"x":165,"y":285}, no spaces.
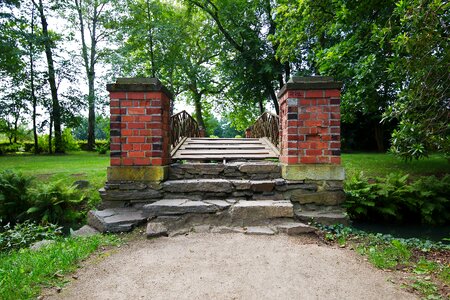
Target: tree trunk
{"x":198,"y":110}
{"x":379,"y":137}
{"x":56,"y":110}
{"x":50,"y":135}
{"x":273,"y":96}
{"x":89,"y":63}
{"x":33,"y":94}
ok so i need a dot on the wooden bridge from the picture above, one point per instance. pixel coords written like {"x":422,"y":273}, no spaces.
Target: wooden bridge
{"x":188,"y":145}
{"x":225,"y":149}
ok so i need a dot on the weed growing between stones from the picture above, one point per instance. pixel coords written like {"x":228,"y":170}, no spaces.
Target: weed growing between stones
{"x":426,"y":264}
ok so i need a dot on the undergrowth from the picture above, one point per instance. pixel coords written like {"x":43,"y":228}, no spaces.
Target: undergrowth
{"x":426,"y":262}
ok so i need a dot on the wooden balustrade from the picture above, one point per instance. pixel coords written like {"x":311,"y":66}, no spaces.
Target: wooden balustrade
{"x":267,"y":125}
{"x":182,"y":125}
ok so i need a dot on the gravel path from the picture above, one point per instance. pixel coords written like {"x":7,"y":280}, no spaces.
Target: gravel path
{"x":231,"y":266}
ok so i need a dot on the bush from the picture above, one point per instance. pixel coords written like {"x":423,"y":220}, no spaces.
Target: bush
{"x":98,"y":143}
{"x":11,"y":148}
{"x":22,"y":235}
{"x":13,"y":196}
{"x":56,"y":203}
{"x":68,"y":141}
{"x":393,"y":198}
{"x":102,"y":148}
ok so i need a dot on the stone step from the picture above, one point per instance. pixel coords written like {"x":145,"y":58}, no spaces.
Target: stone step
{"x":242,"y":189}
{"x":327,"y":215}
{"x":243,"y":170}
{"x":176,"y":212}
{"x":116,"y":219}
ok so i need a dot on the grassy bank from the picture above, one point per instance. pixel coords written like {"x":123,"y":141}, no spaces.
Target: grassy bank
{"x":24,"y":273}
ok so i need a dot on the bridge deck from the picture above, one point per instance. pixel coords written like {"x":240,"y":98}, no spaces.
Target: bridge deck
{"x":225,"y":149}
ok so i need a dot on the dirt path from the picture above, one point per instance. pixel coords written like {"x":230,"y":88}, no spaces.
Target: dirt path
{"x":231,"y":266}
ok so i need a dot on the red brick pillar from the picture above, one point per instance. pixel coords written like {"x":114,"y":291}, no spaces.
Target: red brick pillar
{"x":140,"y":128}
{"x":310,"y":123}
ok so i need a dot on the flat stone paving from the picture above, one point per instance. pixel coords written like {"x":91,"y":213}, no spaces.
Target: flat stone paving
{"x":231,"y":266}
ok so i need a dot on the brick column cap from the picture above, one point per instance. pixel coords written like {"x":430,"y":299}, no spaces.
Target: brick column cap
{"x":310,"y":83}
{"x":138,"y":85}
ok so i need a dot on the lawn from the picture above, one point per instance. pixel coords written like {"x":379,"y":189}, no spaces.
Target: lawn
{"x":69,"y":168}
{"x":92,"y":166}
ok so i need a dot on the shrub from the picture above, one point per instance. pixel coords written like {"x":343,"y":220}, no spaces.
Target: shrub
{"x":98,"y":143}
{"x":68,"y":140}
{"x":102,"y":148}
{"x":56,"y":203}
{"x":393,"y":198}
{"x":22,"y":235}
{"x":13,"y":196}
{"x":11,"y":148}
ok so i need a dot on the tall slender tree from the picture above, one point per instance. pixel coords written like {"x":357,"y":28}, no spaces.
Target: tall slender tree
{"x":89,"y":19}
{"x":48,"y":44}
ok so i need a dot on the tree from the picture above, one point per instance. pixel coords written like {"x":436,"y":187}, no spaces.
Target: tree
{"x":338,"y":38}
{"x":47,"y":42}
{"x":392,"y":56}
{"x":419,"y":34}
{"x":90,"y":14}
{"x":246,"y":25}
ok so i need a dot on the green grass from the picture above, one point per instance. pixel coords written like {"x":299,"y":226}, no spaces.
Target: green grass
{"x":25,"y":272}
{"x":69,"y":168}
{"x":379,"y":165}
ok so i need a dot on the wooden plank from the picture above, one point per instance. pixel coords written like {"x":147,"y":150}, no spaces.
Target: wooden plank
{"x":178,"y":146}
{"x":214,"y":157}
{"x":245,"y":147}
{"x":221,"y":143}
{"x":224,"y":139}
{"x":272,"y":146}
{"x":217,"y":152}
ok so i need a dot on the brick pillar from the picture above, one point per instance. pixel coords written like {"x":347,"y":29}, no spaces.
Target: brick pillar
{"x":310,"y":128}
{"x":140,"y":129}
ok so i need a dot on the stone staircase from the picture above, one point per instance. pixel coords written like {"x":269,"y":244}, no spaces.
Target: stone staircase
{"x":231,"y":195}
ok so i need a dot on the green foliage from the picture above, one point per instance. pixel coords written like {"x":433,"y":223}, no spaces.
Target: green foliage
{"x":13,"y":196}
{"x":393,"y":198}
{"x":11,"y":148}
{"x":68,"y":140}
{"x":102,"y":148}
{"x":387,"y":257}
{"x":80,"y":132}
{"x":24,"y":234}
{"x":55,"y":202}
{"x":24,"y":273}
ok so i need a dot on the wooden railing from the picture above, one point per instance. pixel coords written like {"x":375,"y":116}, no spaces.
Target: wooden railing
{"x":267,"y":125}
{"x":182,"y":125}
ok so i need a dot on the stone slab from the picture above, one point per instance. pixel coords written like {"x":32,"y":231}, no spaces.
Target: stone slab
{"x":115,"y":219}
{"x":156,"y":229}
{"x":321,"y":198}
{"x":180,"y":207}
{"x":249,"y":211}
{"x":263,"y":185}
{"x":138,"y":173}
{"x":198,"y":185}
{"x":259,"y":168}
{"x":295,"y":228}
{"x":312,"y":172}
{"x":129,"y":195}
{"x":86,"y":230}
{"x":259,"y":230}
{"x":326,"y":217}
